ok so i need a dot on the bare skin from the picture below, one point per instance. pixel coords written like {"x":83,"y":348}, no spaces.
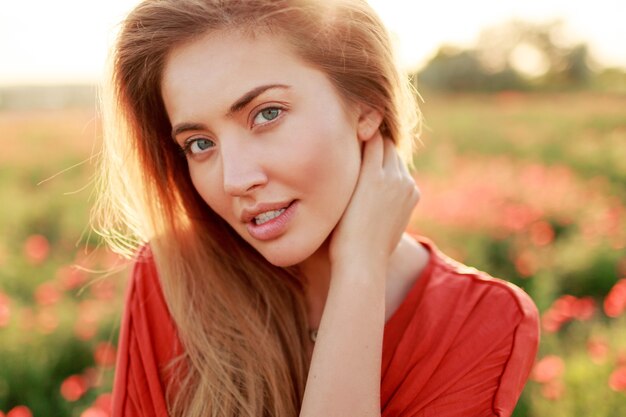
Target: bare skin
{"x":344,"y":377}
{"x":260,"y":138}
{"x":406,"y":263}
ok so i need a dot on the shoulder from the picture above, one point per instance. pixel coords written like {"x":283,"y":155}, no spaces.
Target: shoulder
{"x":146,"y":307}
{"x":145,"y":302}
{"x":449,"y":298}
{"x":469,"y":343}
{"x":480,"y":310}
{"x":147,"y":343}
{"x":454,"y":289}
{"x":500,"y":329}
{"x":144,"y":282}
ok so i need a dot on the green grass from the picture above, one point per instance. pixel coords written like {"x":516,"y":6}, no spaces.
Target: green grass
{"x":528,"y":187}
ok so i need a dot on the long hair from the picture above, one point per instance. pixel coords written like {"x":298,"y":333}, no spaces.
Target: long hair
{"x":241,"y":320}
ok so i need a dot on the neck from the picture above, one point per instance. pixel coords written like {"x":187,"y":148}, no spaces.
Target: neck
{"x":405,"y":264}
{"x":316,"y":272}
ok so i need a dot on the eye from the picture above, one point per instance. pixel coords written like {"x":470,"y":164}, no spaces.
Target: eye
{"x":198,"y":145}
{"x":266,"y":115}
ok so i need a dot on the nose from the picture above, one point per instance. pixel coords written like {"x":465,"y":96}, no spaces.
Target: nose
{"x":242,"y":171}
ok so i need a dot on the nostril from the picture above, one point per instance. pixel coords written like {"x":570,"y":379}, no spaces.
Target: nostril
{"x":244,"y":182}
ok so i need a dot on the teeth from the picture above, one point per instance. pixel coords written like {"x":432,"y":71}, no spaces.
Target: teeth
{"x":267,"y":216}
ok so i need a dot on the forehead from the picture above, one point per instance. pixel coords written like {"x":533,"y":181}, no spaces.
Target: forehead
{"x":223,"y":65}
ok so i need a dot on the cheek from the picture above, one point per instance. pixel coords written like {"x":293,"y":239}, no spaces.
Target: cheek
{"x":207,"y":185}
{"x":330,"y":162}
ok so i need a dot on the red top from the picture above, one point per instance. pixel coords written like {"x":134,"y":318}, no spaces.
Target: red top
{"x":461,"y":344}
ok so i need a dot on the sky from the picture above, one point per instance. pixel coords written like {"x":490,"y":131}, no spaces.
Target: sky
{"x":66,"y":41}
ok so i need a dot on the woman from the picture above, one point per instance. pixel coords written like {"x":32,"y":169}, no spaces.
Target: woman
{"x":253,"y":150}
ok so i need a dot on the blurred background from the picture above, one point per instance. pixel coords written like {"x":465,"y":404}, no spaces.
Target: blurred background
{"x":522,"y":167}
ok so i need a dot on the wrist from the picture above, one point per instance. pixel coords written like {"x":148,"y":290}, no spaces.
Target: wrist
{"x":360,"y":255}
{"x":360,"y":266}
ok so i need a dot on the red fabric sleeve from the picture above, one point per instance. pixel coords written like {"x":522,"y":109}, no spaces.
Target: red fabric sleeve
{"x":492,"y":367}
{"x":462,"y":344}
{"x":147,"y":344}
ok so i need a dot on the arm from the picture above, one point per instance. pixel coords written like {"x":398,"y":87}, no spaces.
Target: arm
{"x":344,"y":377}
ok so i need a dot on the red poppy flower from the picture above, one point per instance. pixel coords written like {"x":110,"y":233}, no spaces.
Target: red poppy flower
{"x":73,"y":387}
{"x":36,"y":249}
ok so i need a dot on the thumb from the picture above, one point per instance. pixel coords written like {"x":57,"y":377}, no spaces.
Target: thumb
{"x":373,"y":152}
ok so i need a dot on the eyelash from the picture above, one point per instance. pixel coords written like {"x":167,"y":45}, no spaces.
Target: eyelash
{"x":280,"y":109}
{"x":186,"y":147}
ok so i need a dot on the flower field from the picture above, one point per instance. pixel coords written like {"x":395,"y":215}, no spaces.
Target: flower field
{"x":528,"y":187}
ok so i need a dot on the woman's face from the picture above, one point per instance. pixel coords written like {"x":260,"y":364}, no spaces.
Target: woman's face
{"x":271,"y":146}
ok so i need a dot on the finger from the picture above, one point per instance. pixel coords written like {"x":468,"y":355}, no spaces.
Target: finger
{"x":392,"y":160}
{"x":373,"y":152}
{"x":403,"y":166}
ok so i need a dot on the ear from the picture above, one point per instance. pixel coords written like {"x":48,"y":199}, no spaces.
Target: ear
{"x":368,"y":123}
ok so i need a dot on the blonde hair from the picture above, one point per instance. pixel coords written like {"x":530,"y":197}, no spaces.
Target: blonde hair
{"x":249,"y":360}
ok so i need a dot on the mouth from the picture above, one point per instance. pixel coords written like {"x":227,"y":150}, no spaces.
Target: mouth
{"x":269,"y":215}
{"x":271,"y":223}
{"x":264,"y":212}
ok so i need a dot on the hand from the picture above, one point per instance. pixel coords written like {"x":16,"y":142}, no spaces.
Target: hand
{"x":379,"y":209}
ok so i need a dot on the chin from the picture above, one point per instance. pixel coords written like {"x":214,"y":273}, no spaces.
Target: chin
{"x":284,"y":259}
{"x":286,"y":254}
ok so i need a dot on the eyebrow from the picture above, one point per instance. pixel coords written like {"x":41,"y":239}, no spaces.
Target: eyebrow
{"x":251,"y":95}
{"x":184,"y":127}
{"x":242,"y":102}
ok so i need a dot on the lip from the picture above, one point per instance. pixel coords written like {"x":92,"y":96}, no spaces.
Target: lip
{"x":248,"y":214}
{"x":273,"y":228}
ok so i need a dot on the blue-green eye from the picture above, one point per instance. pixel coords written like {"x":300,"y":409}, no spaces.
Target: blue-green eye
{"x":196,"y":146}
{"x":267,"y":115}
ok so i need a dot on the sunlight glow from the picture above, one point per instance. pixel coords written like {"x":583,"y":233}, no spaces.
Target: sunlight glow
{"x":67,"y":40}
